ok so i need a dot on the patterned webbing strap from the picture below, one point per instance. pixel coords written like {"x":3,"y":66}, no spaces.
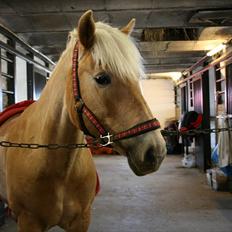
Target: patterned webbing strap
{"x":92,"y":118}
{"x":139,"y":129}
{"x":76,"y":90}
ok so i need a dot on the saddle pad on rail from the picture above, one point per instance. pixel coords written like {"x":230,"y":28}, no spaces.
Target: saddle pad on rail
{"x":13,"y":110}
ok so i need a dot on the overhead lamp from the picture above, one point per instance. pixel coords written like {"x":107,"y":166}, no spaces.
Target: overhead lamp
{"x":166,"y":75}
{"x":175,"y":75}
{"x":216,"y":49}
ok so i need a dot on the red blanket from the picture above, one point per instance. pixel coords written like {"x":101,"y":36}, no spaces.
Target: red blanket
{"x":13,"y":110}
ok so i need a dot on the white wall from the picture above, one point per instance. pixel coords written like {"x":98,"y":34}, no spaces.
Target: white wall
{"x":159,"y":94}
{"x":20,"y":80}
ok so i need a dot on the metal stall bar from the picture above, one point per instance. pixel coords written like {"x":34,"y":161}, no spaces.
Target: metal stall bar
{"x":206,"y":68}
{"x":24,"y":57}
{"x":14,"y":37}
{"x":25,"y":52}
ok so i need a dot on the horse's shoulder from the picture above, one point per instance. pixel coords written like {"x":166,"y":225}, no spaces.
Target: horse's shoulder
{"x":9,"y":125}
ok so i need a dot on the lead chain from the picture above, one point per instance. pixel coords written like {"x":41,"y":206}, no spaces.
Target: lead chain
{"x":193,"y":132}
{"x":47,"y":146}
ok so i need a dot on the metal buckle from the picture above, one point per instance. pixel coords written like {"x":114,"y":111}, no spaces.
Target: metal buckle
{"x":108,"y":138}
{"x":79,"y":105}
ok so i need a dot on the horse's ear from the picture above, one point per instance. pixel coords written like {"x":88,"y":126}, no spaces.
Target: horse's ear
{"x":86,"y":29}
{"x":129,"y":27}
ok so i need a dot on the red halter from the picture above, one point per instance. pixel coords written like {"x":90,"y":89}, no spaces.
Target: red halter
{"x":105,"y":137}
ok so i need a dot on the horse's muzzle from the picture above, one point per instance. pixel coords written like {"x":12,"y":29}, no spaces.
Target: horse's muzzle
{"x":150,"y":163}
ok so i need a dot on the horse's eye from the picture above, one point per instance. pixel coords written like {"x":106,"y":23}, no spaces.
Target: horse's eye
{"x":103,"y":79}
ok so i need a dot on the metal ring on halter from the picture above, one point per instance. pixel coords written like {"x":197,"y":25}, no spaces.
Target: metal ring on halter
{"x":107,"y":139}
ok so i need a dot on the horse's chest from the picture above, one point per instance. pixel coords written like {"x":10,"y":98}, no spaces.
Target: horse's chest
{"x":77,"y":198}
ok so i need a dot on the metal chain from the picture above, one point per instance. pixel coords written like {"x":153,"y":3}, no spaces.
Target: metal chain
{"x":47,"y":146}
{"x":193,"y":132}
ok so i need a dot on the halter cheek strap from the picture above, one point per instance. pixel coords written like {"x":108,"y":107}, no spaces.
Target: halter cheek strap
{"x":105,"y":137}
{"x":81,"y":108}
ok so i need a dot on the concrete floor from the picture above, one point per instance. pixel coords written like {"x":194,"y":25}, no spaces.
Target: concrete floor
{"x":172,"y":200}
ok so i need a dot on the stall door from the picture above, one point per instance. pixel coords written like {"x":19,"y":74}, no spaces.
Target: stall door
{"x":201,"y":105}
{"x":229,"y":88}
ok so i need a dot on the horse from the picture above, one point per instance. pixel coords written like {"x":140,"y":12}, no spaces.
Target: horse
{"x":49,"y":187}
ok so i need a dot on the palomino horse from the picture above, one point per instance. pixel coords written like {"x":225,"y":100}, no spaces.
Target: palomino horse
{"x":56,"y":187}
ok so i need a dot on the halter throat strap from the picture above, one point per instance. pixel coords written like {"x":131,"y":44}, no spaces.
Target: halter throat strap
{"x":105,"y":137}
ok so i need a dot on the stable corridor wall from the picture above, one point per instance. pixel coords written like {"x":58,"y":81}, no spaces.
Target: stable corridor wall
{"x":160,"y":96}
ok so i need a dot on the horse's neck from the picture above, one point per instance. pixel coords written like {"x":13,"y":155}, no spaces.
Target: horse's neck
{"x":51,"y":119}
{"x":56,"y":126}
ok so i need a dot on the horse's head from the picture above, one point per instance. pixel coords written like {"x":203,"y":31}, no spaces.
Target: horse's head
{"x":109,"y":69}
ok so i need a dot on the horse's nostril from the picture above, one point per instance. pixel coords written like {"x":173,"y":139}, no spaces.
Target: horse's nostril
{"x":150,"y":155}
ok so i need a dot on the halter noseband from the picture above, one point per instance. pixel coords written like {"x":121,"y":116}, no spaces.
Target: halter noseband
{"x":105,"y":137}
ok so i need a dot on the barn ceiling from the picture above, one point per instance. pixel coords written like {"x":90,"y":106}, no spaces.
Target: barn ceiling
{"x":171,"y":35}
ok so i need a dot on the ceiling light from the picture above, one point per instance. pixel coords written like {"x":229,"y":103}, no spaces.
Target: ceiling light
{"x":216,"y":49}
{"x":175,"y":75}
{"x":165,"y":75}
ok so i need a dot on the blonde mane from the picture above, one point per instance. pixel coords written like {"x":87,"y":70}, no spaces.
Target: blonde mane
{"x":114,"y":51}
